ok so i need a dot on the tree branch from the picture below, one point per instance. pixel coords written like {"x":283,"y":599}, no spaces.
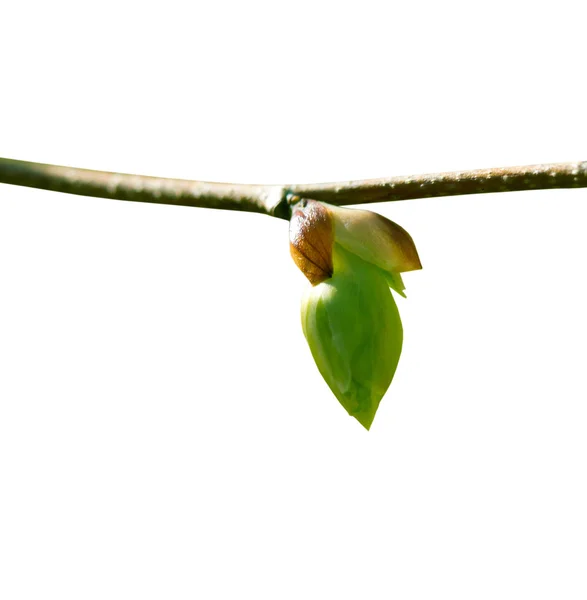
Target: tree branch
{"x":265,"y":199}
{"x":433,"y":185}
{"x":275,"y":200}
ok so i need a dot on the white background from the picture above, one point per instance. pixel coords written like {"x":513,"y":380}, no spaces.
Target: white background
{"x":164,"y":432}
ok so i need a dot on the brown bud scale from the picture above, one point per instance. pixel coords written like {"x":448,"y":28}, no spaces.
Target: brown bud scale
{"x":311,"y":237}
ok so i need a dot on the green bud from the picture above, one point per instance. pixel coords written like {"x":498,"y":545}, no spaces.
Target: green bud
{"x":349,"y":316}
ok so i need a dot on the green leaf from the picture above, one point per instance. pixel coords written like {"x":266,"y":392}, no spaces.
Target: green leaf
{"x":354,"y":331}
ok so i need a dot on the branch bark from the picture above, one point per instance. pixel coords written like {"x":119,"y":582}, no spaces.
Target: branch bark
{"x":265,"y":199}
{"x":433,"y":185}
{"x":276,"y":200}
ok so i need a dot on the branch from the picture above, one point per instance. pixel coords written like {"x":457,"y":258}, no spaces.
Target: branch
{"x":433,"y":185}
{"x":265,"y":199}
{"x":275,"y":200}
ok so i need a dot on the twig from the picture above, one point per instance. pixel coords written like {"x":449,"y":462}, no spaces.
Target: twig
{"x":266,"y":199}
{"x":433,"y":185}
{"x":275,"y":200}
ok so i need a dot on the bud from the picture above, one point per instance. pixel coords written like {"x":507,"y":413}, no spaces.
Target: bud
{"x":349,"y":317}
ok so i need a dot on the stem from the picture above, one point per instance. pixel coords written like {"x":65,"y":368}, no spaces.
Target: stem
{"x":432,"y":185}
{"x":275,"y":200}
{"x":266,"y":199}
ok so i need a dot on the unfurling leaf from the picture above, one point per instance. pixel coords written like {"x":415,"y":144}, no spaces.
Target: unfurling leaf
{"x":349,"y":316}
